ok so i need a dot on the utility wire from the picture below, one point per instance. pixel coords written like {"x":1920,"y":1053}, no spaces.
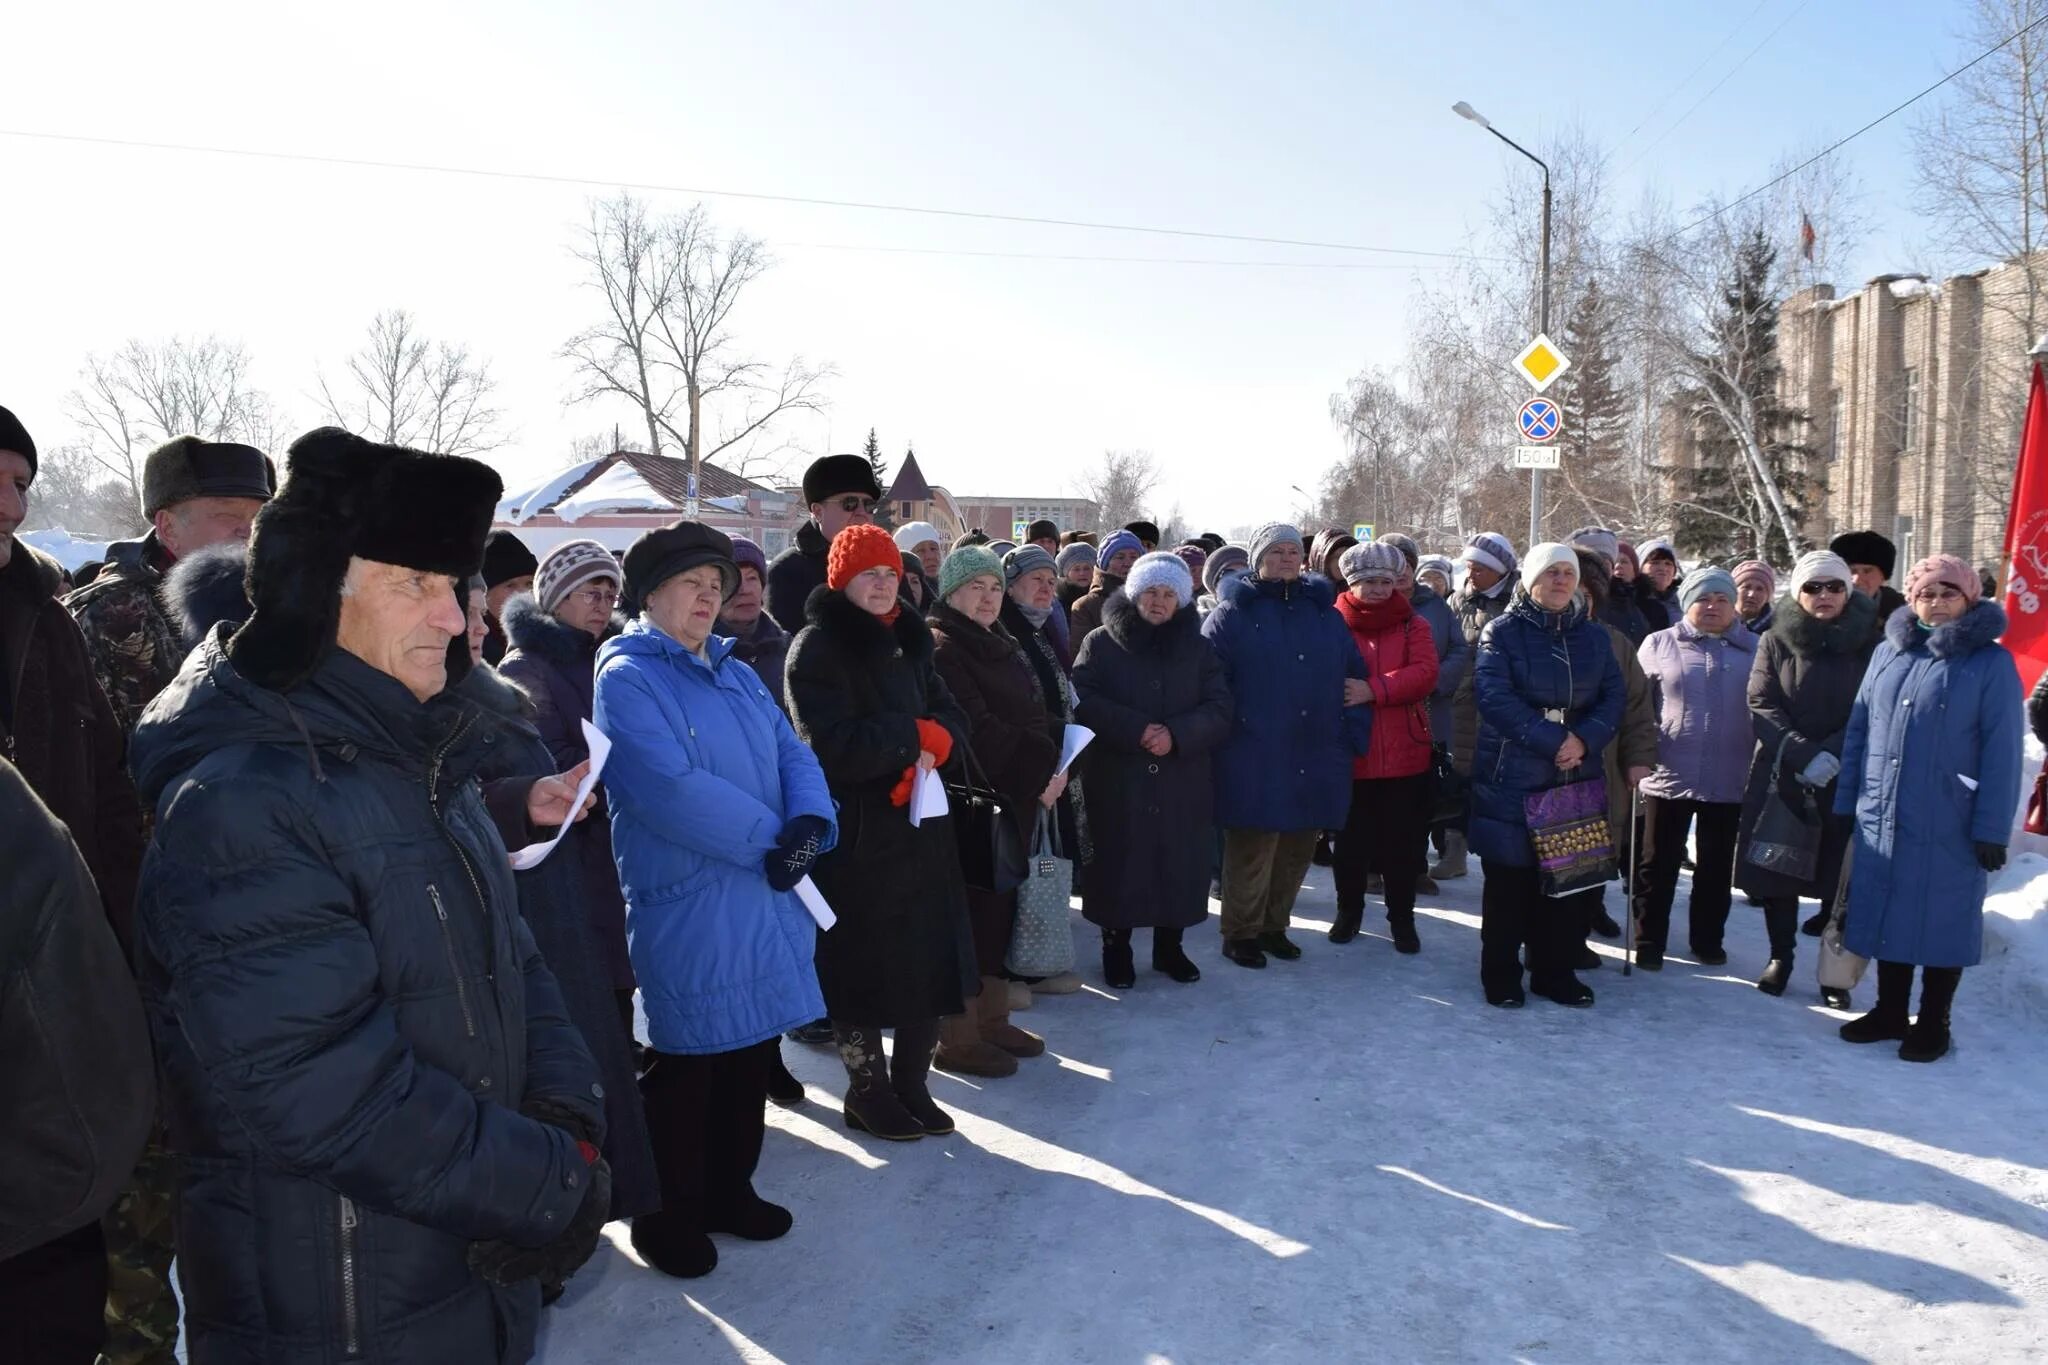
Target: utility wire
{"x":536,"y":177}
{"x":1122,"y":260}
{"x":1698,"y":67}
{"x":1694,"y":106}
{"x":1836,"y":146}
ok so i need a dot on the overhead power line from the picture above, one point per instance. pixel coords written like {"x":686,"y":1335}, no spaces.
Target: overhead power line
{"x":537,"y":177}
{"x":1125,"y":260}
{"x":1727,"y":76}
{"x":1836,"y":146}
{"x":1699,"y":66}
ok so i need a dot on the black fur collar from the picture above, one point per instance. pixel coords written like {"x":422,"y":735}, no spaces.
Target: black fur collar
{"x":862,"y":632}
{"x":990,"y":642}
{"x":530,"y":630}
{"x":1128,"y":628}
{"x":1968,"y":633}
{"x":1853,"y":630}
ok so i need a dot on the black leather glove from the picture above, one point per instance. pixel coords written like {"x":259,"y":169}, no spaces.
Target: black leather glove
{"x":506,"y":1263}
{"x":1991,"y":857}
{"x":789,"y":862}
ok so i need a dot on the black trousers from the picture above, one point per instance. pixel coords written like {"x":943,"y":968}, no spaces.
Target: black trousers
{"x":1386,"y":832}
{"x":1513,"y":914}
{"x":53,"y":1301}
{"x":705,"y":1118}
{"x":1666,"y":821}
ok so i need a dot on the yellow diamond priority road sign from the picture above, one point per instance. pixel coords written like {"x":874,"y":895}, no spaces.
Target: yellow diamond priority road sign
{"x":1541,"y":362}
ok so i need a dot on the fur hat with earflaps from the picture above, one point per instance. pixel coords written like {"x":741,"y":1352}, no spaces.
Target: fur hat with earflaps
{"x":344,"y":497}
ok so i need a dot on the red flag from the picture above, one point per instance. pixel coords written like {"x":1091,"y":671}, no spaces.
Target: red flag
{"x":2026,"y":543}
{"x":1806,"y":236}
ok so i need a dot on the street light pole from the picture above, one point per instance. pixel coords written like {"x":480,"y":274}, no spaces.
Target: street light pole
{"x":1466,"y":111}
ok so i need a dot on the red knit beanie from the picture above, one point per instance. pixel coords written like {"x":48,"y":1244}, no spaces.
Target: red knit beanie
{"x":857,"y":549}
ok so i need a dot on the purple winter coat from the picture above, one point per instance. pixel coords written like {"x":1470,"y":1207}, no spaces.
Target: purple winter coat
{"x":1699,"y":686}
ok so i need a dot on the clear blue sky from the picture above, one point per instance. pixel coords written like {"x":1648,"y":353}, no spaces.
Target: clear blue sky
{"x":1326,"y":121}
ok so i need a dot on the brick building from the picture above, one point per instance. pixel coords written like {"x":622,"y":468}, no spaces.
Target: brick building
{"x":1001,"y":514}
{"x":1916,"y":390}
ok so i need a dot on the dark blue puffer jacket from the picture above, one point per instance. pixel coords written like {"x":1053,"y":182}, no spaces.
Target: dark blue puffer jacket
{"x":348,"y":1012}
{"x":1286,"y":653}
{"x":1532,"y":661}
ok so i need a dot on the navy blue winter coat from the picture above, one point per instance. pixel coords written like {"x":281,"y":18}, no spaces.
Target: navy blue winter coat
{"x":1453,"y":659}
{"x":348,"y":1012}
{"x":1532,"y":661}
{"x":1930,"y":768}
{"x":1286,"y":653}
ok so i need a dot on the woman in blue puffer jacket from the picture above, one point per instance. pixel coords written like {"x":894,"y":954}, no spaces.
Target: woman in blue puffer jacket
{"x":1550,"y":697}
{"x":1699,"y":682}
{"x":717,"y":812}
{"x":1931,"y":771}
{"x":1284,"y":776}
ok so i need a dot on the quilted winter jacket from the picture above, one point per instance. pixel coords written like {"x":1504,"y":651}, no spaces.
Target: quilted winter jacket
{"x":1474,"y":610}
{"x":1285,"y":655}
{"x":705,"y":774}
{"x":1531,"y":662}
{"x":348,"y":1013}
{"x":1401,"y":664}
{"x":1930,"y":768}
{"x":1700,"y":684}
{"x":1453,"y":657}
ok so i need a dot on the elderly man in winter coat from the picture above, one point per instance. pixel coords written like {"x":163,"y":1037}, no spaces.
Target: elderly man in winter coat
{"x":357,"y":1041}
{"x":1871,"y":559}
{"x":840,"y":491}
{"x":1699,"y":675}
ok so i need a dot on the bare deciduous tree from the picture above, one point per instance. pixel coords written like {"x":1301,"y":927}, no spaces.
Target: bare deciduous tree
{"x":147,"y":392}
{"x":1119,"y":486}
{"x":404,"y":389}
{"x":665,"y":342}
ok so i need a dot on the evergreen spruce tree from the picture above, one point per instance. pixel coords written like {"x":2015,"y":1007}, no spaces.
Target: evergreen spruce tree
{"x":1750,"y":476}
{"x":1592,"y":454}
{"x":873,"y":453}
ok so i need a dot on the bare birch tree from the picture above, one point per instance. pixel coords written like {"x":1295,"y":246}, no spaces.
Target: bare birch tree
{"x":404,"y":389}
{"x":1119,"y":486}
{"x":133,"y":400}
{"x":665,"y":341}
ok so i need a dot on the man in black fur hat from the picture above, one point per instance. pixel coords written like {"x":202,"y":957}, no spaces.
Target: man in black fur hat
{"x":359,"y":1045}
{"x":841,"y":491}
{"x":1871,"y":559}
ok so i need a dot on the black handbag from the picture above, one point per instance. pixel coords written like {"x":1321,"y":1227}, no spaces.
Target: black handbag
{"x":992,"y":853}
{"x":1786,"y":839}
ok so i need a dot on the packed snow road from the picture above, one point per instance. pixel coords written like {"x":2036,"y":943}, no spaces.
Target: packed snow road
{"x":1353,"y":1157}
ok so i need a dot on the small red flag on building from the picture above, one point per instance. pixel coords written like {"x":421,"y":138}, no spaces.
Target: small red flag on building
{"x":1806,"y":236}
{"x":2026,"y":543}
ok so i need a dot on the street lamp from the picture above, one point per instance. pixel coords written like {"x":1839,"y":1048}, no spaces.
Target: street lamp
{"x":1466,"y":111}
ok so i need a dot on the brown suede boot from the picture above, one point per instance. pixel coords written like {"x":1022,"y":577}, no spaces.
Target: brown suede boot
{"x":993,"y":1005}
{"x":962,"y":1051}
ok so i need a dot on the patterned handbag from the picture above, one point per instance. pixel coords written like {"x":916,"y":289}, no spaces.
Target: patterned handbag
{"x":1042,"y":939}
{"x":1568,"y":828}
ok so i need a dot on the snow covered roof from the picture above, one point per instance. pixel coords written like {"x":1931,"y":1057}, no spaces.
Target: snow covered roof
{"x":628,"y":481}
{"x":1913,"y":287}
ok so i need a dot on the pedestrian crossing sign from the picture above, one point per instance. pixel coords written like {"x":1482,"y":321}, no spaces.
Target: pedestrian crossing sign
{"x":1362,"y":532}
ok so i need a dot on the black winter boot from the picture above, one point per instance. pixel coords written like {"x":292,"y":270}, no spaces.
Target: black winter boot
{"x":1816,"y":923}
{"x":1346,"y":926}
{"x":1279,"y":945}
{"x":1928,"y":1039}
{"x":785,"y":1089}
{"x":1401,"y":924}
{"x":871,"y":1106}
{"x":1117,"y":967}
{"x":1563,"y":988}
{"x":1777,"y":973}
{"x":910,"y":1069}
{"x":1168,"y":957}
{"x":673,"y":1248}
{"x":1244,"y":952}
{"x":1886,"y":1021}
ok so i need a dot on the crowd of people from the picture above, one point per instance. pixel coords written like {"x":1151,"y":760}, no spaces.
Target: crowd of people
{"x":323,"y":948}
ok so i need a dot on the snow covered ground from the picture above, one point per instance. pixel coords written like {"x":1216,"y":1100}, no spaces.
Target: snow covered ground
{"x":1353,"y":1157}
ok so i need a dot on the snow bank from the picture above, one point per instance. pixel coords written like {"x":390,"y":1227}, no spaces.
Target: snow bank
{"x":1916,"y":287}
{"x":65,"y":548}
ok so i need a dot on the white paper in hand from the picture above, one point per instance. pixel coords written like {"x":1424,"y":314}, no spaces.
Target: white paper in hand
{"x":814,"y":901}
{"x":600,"y":749}
{"x":927,"y":797}
{"x":1078,"y":737}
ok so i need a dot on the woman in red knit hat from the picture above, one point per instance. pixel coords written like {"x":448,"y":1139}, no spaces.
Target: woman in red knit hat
{"x":865,"y":696}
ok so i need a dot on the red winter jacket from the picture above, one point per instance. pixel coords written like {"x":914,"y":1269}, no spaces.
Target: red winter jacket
{"x":1401,"y":665}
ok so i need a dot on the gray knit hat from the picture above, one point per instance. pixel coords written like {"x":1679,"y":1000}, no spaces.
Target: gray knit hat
{"x":1161,"y":569}
{"x":1379,"y":559}
{"x":1492,"y":550}
{"x":1023,"y":560}
{"x":1599,"y":540}
{"x":1410,"y":551}
{"x":1079,"y":552}
{"x":1271,"y":534}
{"x":1222,"y":560}
{"x":969,"y":561}
{"x":568,"y":567}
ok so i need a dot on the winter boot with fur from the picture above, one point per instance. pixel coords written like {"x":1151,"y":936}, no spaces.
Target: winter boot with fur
{"x":1169,"y":957}
{"x":1452,"y":864}
{"x":1118,"y":970}
{"x":871,"y":1106}
{"x":910,"y":1066}
{"x":964,"y":1052}
{"x":995,"y":1022}
{"x":1886,"y":1021}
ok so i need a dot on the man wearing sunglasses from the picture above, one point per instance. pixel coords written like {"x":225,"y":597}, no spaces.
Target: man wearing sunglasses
{"x":841,"y":491}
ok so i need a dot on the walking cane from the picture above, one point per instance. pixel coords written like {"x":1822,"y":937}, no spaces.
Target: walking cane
{"x":1628,"y":876}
